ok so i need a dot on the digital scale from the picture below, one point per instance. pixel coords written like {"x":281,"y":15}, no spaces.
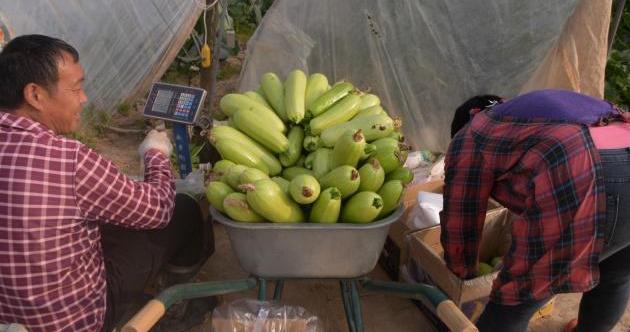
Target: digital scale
{"x":180,"y":105}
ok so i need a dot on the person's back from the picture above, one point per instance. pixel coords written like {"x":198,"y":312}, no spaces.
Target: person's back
{"x":521,"y":164}
{"x":551,"y":157}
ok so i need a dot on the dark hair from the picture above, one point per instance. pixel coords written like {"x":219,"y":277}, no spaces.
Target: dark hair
{"x":30,"y":59}
{"x":462,"y":113}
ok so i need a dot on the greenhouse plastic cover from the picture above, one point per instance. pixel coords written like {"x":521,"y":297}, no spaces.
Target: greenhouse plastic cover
{"x":424,"y":58}
{"x":123,"y":44}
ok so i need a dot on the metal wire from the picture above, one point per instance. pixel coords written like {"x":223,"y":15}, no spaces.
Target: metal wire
{"x":204,"y":6}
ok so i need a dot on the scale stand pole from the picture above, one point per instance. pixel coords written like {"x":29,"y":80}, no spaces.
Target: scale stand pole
{"x":180,"y":131}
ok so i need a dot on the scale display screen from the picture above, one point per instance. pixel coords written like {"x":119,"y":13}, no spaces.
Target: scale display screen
{"x":175,"y":103}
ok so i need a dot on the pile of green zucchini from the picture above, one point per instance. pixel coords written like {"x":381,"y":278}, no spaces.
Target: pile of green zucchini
{"x":304,"y":151}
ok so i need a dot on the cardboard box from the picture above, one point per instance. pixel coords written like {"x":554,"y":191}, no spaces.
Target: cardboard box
{"x":411,"y":193}
{"x":426,"y":264}
{"x":394,"y":252}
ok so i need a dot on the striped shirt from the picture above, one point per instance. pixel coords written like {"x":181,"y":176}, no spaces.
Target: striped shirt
{"x":53,"y":193}
{"x":549,"y":175}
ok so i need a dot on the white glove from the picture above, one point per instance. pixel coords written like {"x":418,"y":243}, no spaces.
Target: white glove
{"x":156,"y":140}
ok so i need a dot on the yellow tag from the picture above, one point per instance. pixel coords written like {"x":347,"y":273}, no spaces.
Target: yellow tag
{"x":206,"y":56}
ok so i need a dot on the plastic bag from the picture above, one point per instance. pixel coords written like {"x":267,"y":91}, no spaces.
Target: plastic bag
{"x":247,"y":315}
{"x":425,"y":58}
{"x":421,"y":158}
{"x":123,"y":45}
{"x":437,"y":170}
{"x":193,"y":184}
{"x":426,"y":213}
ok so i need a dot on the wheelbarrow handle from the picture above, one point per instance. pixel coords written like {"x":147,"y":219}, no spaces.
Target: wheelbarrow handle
{"x":435,"y":299}
{"x":147,"y":317}
{"x":453,"y":317}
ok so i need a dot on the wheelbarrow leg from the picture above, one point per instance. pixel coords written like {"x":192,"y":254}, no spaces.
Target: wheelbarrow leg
{"x":262,"y":290}
{"x":277,"y":293}
{"x":356,"y":306}
{"x":347,"y":304}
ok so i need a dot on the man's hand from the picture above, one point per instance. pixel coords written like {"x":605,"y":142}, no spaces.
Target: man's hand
{"x":156,"y":140}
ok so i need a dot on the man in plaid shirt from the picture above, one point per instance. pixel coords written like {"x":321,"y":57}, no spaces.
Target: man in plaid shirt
{"x":536,"y":155}
{"x":57,"y":194}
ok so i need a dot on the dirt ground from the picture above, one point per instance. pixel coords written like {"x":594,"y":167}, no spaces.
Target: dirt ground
{"x":322,"y":298}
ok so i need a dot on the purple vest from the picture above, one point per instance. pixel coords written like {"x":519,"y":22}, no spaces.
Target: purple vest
{"x":557,"y":105}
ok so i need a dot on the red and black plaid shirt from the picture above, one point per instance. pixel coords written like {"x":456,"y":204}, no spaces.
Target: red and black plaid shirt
{"x":549,"y":175}
{"x":53,"y":191}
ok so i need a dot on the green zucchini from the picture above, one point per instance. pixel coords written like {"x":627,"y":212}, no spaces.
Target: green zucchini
{"x":369,"y":151}
{"x":389,"y":154}
{"x":304,"y":189}
{"x":255,"y":127}
{"x":236,"y":152}
{"x":282,"y":182}
{"x":216,"y":192}
{"x":392,"y":193}
{"x":294,"y":94}
{"x":292,"y":155}
{"x":339,"y":113}
{"x":345,"y":178}
{"x":273,"y":89}
{"x":316,"y":85}
{"x":369,"y":100}
{"x":259,"y":98}
{"x":363,"y":207}
{"x":300,"y":162}
{"x":373,"y":126}
{"x":221,"y":167}
{"x":233,"y":102}
{"x":348,"y":149}
{"x":251,"y":175}
{"x":269,"y":200}
{"x":311,"y":143}
{"x":233,"y":177}
{"x":372,"y":176}
{"x":271,"y":162}
{"x":327,"y":207}
{"x":401,"y":173}
{"x":330,"y":97}
{"x":291,"y":172}
{"x":237,"y":208}
{"x":308,"y":161}
{"x":374,"y":110}
{"x":397,"y":135}
{"x":322,"y":162}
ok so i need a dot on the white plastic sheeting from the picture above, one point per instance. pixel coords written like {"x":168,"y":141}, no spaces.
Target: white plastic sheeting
{"x":422,"y":57}
{"x":121,"y":43}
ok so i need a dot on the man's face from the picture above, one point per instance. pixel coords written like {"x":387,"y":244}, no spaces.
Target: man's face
{"x":62,"y":105}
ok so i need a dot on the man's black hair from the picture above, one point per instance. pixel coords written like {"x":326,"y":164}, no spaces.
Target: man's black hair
{"x":462,"y":113}
{"x":30,"y":59}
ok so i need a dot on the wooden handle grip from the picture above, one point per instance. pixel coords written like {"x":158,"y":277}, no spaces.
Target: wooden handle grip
{"x":454,"y":318}
{"x":145,"y":318}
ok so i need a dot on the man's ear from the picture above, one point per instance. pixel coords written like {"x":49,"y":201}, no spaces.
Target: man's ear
{"x":34,"y":96}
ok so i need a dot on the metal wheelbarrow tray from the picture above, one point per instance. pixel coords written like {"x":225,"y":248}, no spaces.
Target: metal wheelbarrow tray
{"x":307,"y":250}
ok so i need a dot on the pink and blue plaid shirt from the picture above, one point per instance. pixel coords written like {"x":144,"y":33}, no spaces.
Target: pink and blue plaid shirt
{"x":53,"y":193}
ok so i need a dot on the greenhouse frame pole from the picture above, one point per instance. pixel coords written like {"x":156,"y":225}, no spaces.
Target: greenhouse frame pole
{"x":618,"y":13}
